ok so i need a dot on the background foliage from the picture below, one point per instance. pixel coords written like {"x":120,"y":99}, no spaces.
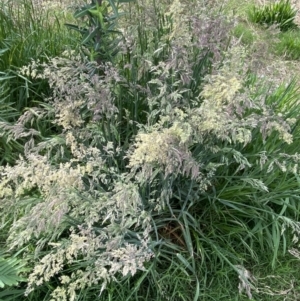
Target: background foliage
{"x":280,"y":13}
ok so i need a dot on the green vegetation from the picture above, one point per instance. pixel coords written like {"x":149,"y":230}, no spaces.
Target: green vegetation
{"x":279,"y":13}
{"x":289,"y":45}
{"x":244,"y":33}
{"x":147,"y":160}
{"x":28,"y":31}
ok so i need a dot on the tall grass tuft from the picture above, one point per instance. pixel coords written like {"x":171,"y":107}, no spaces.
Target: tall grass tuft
{"x":28,"y":31}
{"x":280,"y":13}
{"x":167,"y":170}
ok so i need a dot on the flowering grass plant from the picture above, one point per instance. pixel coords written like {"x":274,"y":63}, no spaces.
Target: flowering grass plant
{"x":166,"y":170}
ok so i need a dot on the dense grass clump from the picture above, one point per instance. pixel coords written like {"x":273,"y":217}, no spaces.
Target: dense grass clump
{"x":280,"y":13}
{"x":289,"y":45}
{"x":161,"y":170}
{"x":28,"y":31}
{"x":244,"y":33}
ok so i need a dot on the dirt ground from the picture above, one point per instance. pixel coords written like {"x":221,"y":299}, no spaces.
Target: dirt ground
{"x":296,"y":4}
